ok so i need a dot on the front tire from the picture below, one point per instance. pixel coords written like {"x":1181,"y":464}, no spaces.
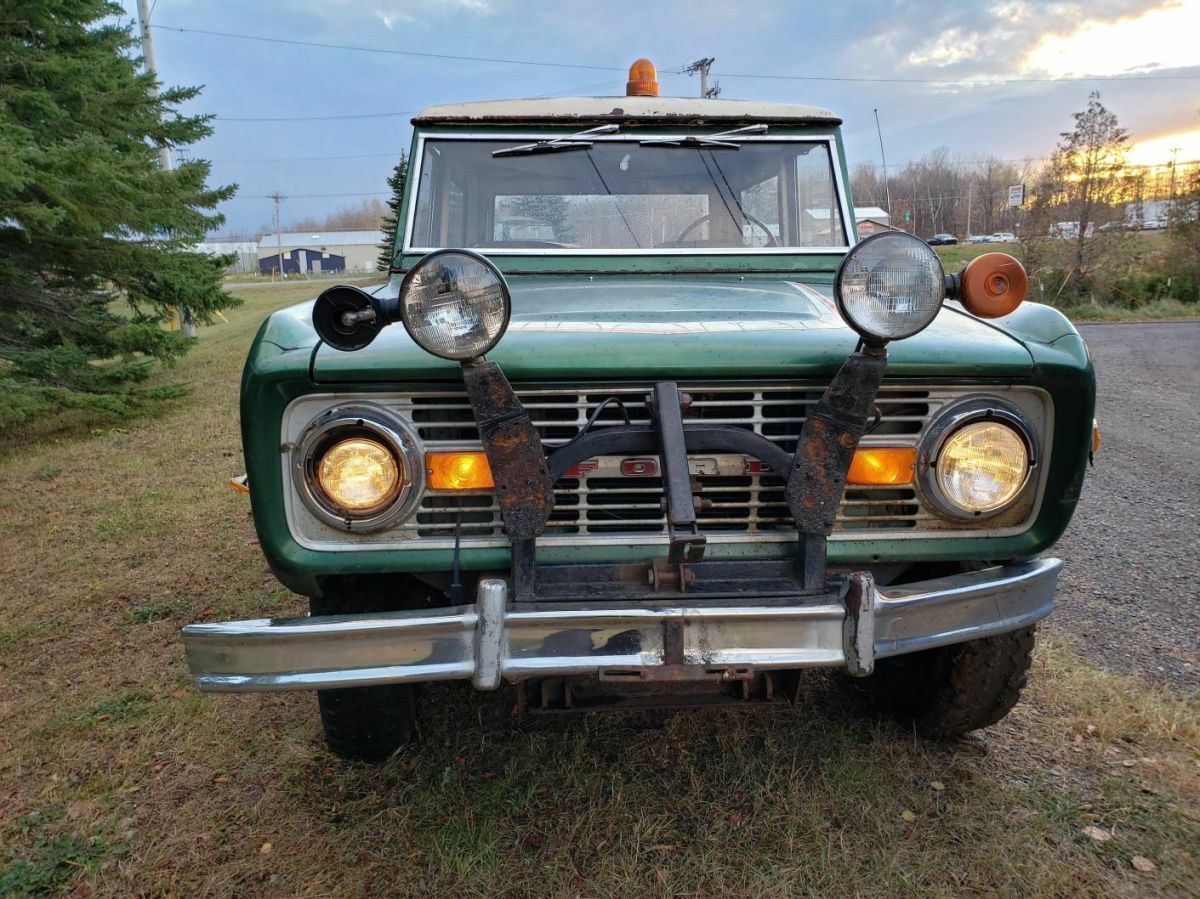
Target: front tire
{"x":369,"y":724}
{"x":949,"y":691}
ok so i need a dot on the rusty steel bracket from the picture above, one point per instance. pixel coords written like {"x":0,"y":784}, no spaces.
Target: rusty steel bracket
{"x":683,"y":530}
{"x":830,"y":435}
{"x":524,"y":490}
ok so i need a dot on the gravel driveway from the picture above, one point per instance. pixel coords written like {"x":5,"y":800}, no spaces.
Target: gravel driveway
{"x":1129,"y":593}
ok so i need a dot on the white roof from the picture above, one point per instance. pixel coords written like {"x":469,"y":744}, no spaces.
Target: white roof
{"x":681,"y":109}
{"x":870,"y":212}
{"x":860,"y":213}
{"x":320,"y":239}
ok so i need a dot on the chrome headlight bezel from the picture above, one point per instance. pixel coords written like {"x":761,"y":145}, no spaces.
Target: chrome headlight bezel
{"x":379,"y":424}
{"x":406,"y":285}
{"x":846,"y":309}
{"x":949,"y":422}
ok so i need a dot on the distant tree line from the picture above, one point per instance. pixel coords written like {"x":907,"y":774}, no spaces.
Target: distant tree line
{"x":1087,"y":177}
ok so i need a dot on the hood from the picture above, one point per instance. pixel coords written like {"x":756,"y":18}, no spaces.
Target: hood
{"x":682,"y":326}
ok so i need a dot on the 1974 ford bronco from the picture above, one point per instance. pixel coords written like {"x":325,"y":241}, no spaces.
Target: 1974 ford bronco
{"x":655,"y":425}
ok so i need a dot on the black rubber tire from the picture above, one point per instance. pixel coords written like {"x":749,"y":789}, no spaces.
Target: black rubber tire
{"x":369,"y":724}
{"x":946,"y":692}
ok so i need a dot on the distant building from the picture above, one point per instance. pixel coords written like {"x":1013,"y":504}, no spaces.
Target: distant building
{"x":869,"y":219}
{"x":246,"y":252}
{"x":302,"y":259}
{"x":353,"y":251}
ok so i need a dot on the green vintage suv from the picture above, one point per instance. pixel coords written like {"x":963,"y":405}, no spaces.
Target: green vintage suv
{"x":654,"y":428}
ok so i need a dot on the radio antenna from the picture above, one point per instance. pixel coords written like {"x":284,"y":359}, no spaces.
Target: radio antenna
{"x":887,"y":192}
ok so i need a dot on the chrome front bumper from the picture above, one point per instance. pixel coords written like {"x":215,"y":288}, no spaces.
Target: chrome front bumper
{"x":488,"y":642}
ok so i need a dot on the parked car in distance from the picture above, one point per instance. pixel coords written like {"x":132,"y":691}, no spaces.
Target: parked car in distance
{"x":942,"y":240}
{"x":1110,"y":227}
{"x":979,"y":238}
{"x":732,"y":448}
{"x":1070,"y":230}
{"x":1153,"y":225}
{"x":1003,"y":237}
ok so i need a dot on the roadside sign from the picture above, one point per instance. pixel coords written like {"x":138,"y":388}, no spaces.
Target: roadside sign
{"x":1016,"y":195}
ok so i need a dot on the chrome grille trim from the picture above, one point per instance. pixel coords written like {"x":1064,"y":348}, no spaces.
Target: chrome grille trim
{"x":746,"y":507}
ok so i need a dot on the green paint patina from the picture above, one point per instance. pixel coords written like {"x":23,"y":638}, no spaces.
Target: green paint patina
{"x":618,"y":317}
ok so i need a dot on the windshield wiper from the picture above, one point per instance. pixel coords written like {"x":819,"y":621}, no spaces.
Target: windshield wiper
{"x":557,"y":144}
{"x":725,"y":140}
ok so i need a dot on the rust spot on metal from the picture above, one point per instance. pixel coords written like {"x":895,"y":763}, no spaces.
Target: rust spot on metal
{"x":828,"y":440}
{"x":524,"y":490}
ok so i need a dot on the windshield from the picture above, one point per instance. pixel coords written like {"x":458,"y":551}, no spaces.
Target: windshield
{"x":621,"y":195}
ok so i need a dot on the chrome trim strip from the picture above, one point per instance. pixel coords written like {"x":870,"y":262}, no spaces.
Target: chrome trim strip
{"x":407,"y":248}
{"x":488,"y":642}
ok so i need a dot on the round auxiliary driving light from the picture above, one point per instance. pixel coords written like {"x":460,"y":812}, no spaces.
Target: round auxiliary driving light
{"x":455,"y":304}
{"x":890,"y":286}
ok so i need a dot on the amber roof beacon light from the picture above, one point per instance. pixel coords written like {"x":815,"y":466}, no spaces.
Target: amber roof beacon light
{"x":643,"y":80}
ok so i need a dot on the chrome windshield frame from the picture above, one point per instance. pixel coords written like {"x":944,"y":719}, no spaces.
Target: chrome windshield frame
{"x":407,"y":248}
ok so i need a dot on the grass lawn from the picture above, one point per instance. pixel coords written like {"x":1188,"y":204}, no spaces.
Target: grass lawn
{"x":117,"y":777}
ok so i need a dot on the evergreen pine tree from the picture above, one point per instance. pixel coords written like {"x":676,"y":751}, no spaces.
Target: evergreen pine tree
{"x":387,"y":249}
{"x":94,"y":236}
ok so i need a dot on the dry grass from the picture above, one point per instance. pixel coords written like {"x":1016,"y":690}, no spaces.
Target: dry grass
{"x":118,"y":778}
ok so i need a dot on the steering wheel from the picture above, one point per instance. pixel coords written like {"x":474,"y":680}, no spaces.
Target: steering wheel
{"x":747,"y":216}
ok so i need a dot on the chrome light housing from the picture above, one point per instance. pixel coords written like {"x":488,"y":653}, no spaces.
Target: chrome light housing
{"x":978,"y":460}
{"x":455,"y":304}
{"x":358,"y":468}
{"x":890,"y":286}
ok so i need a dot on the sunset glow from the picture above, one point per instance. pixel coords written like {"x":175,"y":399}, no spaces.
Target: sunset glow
{"x":1160,"y":150}
{"x":1159,"y":39}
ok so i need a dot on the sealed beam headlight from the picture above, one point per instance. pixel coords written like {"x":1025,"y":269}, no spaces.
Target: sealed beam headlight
{"x":357,"y":468}
{"x":358,"y":474}
{"x":455,"y":304}
{"x":981,"y":464}
{"x":890,"y":286}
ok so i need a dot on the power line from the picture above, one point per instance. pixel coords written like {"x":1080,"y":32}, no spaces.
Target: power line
{"x":373,"y":193}
{"x":390,"y":51}
{"x":966,"y":81}
{"x":316,"y":118}
{"x":763,"y":75}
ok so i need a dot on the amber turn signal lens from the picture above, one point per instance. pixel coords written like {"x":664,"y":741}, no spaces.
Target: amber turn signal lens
{"x":643,"y":80}
{"x":883,"y":465}
{"x":993,"y":285}
{"x":458,"y":471}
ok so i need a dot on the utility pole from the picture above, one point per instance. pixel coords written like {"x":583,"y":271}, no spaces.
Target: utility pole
{"x":164,"y":152}
{"x":278,"y":197}
{"x":1174,"y":160}
{"x":887,"y":191}
{"x":700,"y":67}
{"x":970,"y":191}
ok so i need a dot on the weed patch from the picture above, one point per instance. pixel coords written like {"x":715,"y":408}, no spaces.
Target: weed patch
{"x":47,"y":860}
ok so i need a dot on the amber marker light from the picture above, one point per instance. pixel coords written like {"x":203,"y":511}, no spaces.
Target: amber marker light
{"x":458,"y":471}
{"x":643,"y":80}
{"x":993,"y":285}
{"x":881,"y":466}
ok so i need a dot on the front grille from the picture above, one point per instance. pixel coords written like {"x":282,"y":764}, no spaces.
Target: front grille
{"x":744,"y":503}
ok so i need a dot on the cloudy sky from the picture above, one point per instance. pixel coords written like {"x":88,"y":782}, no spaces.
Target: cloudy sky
{"x":323,"y":125}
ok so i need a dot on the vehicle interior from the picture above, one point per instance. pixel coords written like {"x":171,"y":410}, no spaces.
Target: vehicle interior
{"x":626,"y":194}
